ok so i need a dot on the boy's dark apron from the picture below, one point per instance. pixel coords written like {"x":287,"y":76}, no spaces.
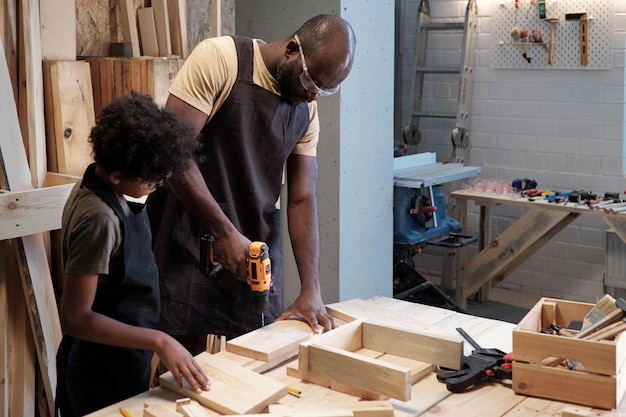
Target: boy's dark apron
{"x":246,"y":145}
{"x":96,"y":375}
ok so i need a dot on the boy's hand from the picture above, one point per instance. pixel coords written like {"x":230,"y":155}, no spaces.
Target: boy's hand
{"x":183,"y":366}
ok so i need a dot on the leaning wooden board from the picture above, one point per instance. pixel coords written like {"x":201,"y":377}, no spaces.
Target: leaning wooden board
{"x":234,"y":390}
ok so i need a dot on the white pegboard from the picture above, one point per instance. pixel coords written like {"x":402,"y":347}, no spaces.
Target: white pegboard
{"x":505,"y":53}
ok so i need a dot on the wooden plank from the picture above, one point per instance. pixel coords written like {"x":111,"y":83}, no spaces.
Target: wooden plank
{"x":353,"y":369}
{"x":28,"y":212}
{"x":177,"y":14}
{"x":129,"y":25}
{"x":488,"y":401}
{"x":58,"y":29}
{"x":94,"y":67}
{"x":147,"y":31}
{"x":8,"y":269}
{"x":136,"y":82}
{"x":126,"y":78}
{"x":10,"y":40}
{"x":382,"y":408}
{"x":50,"y":139}
{"x":365,"y":310}
{"x":595,"y":390}
{"x":216,"y":18}
{"x":437,"y":350}
{"x":24,"y":358}
{"x":35,"y":274}
{"x":71,"y":114}
{"x":162,"y":24}
{"x":107,"y":92}
{"x":161,"y":80}
{"x":273,"y":343}
{"x":228,"y":382}
{"x":34,"y":91}
{"x":516,"y":244}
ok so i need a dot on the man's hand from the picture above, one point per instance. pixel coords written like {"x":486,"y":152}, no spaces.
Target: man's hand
{"x":231,"y":250}
{"x":311,"y":308}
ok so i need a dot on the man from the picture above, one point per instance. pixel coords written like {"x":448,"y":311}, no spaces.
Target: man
{"x":254,"y":105}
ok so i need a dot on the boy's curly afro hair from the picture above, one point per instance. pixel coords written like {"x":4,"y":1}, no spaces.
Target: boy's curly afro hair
{"x":134,"y":136}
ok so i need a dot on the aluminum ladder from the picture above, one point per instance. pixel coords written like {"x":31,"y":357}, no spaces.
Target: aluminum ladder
{"x":460,"y":137}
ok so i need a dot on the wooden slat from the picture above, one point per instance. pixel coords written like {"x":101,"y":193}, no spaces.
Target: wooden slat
{"x":216,"y":18}
{"x":35,"y":274}
{"x":107,"y":85}
{"x":514,"y":246}
{"x":136,"y":81}
{"x":70,"y":110}
{"x":273,"y":343}
{"x":147,"y":30}
{"x":10,"y":41}
{"x":94,"y":67}
{"x":34,"y":91}
{"x":129,"y":25}
{"x":354,"y":369}
{"x":28,"y":212}
{"x":23,"y":357}
{"x":587,"y":388}
{"x":162,"y":24}
{"x":438,"y":350}
{"x":177,"y":13}
{"x":381,"y":408}
{"x":234,"y":390}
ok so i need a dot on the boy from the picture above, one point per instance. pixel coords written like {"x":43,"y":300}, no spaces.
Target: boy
{"x":110,"y":302}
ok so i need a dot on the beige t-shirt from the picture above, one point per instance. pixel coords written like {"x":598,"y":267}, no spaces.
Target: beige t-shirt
{"x":209,"y":73}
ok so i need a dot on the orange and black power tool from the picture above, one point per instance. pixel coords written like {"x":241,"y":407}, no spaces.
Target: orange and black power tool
{"x":258,"y":269}
{"x":259,"y":274}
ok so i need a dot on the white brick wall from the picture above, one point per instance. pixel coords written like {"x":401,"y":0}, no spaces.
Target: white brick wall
{"x":565,"y":128}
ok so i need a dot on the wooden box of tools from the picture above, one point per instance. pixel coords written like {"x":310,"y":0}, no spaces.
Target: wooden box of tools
{"x":591,"y":372}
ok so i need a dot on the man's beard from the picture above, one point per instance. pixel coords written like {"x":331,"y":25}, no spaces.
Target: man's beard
{"x":284,"y":76}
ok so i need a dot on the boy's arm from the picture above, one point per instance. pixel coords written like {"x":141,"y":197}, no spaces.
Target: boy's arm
{"x":80,"y":321}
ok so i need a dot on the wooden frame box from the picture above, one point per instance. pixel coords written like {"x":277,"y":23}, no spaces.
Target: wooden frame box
{"x":601,"y":384}
{"x":347,"y":357}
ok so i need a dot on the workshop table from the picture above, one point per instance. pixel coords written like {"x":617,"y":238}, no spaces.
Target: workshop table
{"x":429,"y":397}
{"x":499,"y":257}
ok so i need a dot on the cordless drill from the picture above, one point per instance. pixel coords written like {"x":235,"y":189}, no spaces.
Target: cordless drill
{"x":259,"y":275}
{"x":258,"y":270}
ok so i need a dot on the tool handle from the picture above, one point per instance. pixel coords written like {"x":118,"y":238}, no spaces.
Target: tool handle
{"x":468,"y":338}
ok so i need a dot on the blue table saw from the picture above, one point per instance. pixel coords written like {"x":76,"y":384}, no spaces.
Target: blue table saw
{"x":420,"y":219}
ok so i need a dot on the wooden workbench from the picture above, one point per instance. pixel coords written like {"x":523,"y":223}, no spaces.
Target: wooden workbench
{"x":499,"y":257}
{"x":429,"y":396}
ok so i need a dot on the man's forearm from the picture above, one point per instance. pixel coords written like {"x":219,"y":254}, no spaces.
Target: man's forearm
{"x":304,"y":234}
{"x":190,"y":188}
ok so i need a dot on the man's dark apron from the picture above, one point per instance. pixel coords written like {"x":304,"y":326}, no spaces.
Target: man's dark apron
{"x":246,"y":146}
{"x":90,"y":375}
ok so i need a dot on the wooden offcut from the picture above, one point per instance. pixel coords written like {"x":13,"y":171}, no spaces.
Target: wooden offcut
{"x":273,"y":343}
{"x":234,"y":390}
{"x":148,"y":32}
{"x":128,"y":15}
{"x":162,"y":26}
{"x":177,"y":15}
